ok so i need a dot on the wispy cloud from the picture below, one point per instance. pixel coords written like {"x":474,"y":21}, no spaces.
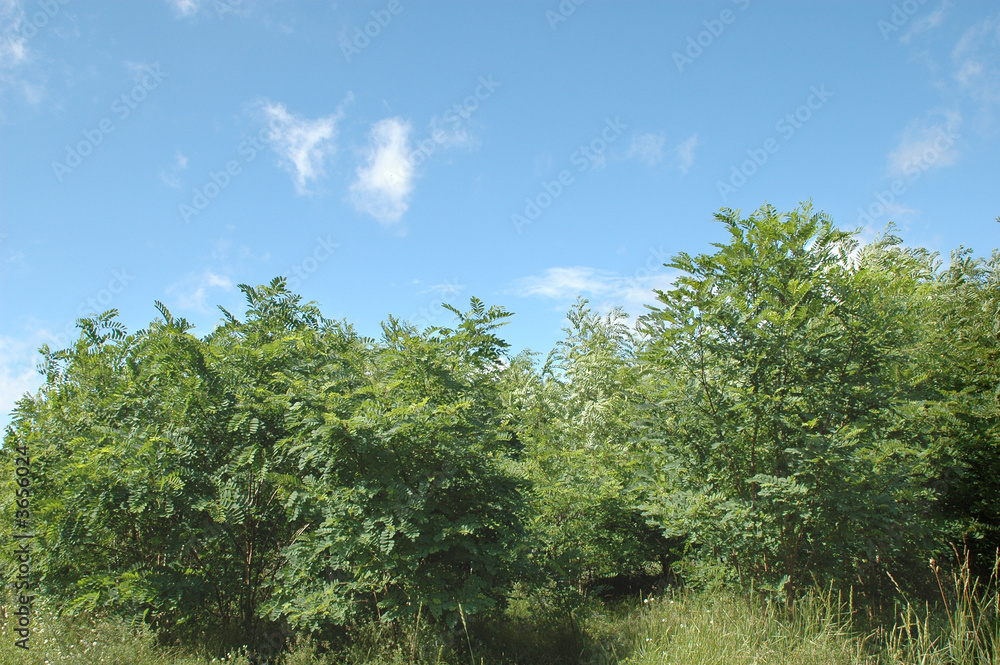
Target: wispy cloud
{"x":383,"y":186}
{"x":685,"y":153}
{"x":302,"y":145}
{"x":926,"y":143}
{"x":191,"y":293}
{"x":446,"y":288}
{"x":185,"y":7}
{"x":901,"y":215}
{"x":171,"y":178}
{"x":566,"y":283}
{"x":17,"y":372}
{"x":433,"y":311}
{"x":605,"y":288}
{"x":647,"y":148}
{"x":975,"y":59}
{"x":13,"y":44}
{"x":15,"y":55}
{"x":452,"y":134}
{"x":926,"y":22}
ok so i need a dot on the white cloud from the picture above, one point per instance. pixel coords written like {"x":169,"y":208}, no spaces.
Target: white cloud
{"x":452,"y":134}
{"x":382,"y":187}
{"x":170,"y":178}
{"x":566,"y":283}
{"x":33,"y":93}
{"x":605,"y":288}
{"x":975,"y":59}
{"x":222,"y":8}
{"x":447,"y":288}
{"x":302,"y":145}
{"x":185,"y":7}
{"x":17,"y":372}
{"x":926,"y":143}
{"x":191,"y":293}
{"x":20,"y":67}
{"x":647,"y":148}
{"x":926,"y":23}
{"x":899,"y":213}
{"x":685,"y":153}
{"x":13,"y":47}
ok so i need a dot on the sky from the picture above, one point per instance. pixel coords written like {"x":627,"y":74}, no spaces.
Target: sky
{"x":388,"y":156}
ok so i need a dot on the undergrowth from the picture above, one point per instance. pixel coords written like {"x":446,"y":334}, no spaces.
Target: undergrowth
{"x":960,"y":627}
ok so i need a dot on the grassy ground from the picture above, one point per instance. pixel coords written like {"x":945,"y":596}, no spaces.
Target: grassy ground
{"x":678,"y":628}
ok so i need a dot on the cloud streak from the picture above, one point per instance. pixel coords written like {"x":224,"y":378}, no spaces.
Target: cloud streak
{"x":192,"y":292}
{"x":647,"y":148}
{"x":606,"y":288}
{"x":171,"y":178}
{"x":17,"y":372}
{"x":926,"y":23}
{"x":185,"y":7}
{"x":685,"y":153}
{"x":975,"y":59}
{"x":926,"y":143}
{"x":13,"y":44}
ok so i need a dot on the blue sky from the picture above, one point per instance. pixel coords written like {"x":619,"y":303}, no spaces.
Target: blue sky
{"x":391,"y":155}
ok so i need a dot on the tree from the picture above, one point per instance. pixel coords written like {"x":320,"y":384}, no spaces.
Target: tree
{"x":955,"y":378}
{"x":158,"y":492}
{"x":407,"y":486}
{"x":580,"y":424}
{"x":280,"y":471}
{"x":779,"y":453}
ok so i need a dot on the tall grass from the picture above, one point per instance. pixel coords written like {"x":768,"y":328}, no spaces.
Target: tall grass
{"x":108,"y":641}
{"x":961,"y":627}
{"x":727,"y":629}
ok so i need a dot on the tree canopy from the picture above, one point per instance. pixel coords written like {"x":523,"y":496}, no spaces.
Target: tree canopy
{"x":798,"y":408}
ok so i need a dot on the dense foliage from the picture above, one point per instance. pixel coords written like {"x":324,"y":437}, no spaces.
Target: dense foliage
{"x":798,"y":409}
{"x":784,"y":453}
{"x":282,"y":470}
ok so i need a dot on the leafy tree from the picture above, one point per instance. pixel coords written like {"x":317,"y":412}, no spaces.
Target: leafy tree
{"x":157,"y":487}
{"x":281,"y":470}
{"x":955,"y":380}
{"x":581,"y":430}
{"x":798,"y":408}
{"x":406,"y":482}
{"x":779,"y":452}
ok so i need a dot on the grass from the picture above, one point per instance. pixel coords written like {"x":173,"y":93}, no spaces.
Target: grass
{"x":965,"y":629}
{"x":679,"y":628}
{"x":56,"y":641}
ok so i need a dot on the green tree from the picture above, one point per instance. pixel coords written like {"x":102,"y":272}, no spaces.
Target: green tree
{"x":407,"y":485}
{"x":580,"y":424}
{"x":281,"y":470}
{"x":157,"y":489}
{"x":955,"y":378}
{"x":778,"y":358}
